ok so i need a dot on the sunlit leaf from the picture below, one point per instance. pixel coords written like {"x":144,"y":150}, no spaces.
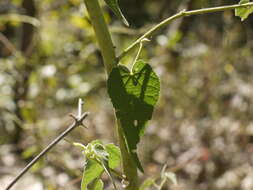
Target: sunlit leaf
{"x":134,"y":95}
{"x":92,"y":171}
{"x":99,"y":156}
{"x":114,"y":155}
{"x":244,"y":12}
{"x":97,"y":185}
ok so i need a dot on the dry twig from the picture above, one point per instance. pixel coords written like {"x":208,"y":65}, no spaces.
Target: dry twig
{"x":78,"y":121}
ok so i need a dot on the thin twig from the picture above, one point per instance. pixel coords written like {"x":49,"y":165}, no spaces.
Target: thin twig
{"x":179,"y":15}
{"x":77,"y":122}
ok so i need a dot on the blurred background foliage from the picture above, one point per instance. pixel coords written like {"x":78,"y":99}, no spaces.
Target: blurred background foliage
{"x":203,"y":125}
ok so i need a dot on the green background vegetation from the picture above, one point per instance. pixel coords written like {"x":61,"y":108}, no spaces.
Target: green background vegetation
{"x":203,"y":123}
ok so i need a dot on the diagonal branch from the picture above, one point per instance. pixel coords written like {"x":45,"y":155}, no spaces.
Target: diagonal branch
{"x":176,"y":16}
{"x":77,"y":122}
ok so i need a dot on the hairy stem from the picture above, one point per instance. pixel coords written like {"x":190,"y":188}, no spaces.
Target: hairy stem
{"x":182,"y":13}
{"x":110,"y":60}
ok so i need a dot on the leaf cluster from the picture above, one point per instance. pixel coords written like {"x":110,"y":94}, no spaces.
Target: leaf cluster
{"x":99,"y":159}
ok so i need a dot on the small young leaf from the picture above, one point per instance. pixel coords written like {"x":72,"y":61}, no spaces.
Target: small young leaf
{"x":244,"y":12}
{"x":114,"y":5}
{"x":92,"y":171}
{"x":134,"y":95}
{"x":100,"y":158}
{"x":114,"y":155}
{"x":97,"y":185}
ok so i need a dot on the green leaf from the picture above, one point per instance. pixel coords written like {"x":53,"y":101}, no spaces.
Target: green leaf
{"x":114,"y":5}
{"x":244,"y":12}
{"x":109,"y":157}
{"x":100,"y":158}
{"x":92,"y":171}
{"x":114,"y":155}
{"x":100,"y":151}
{"x":97,"y":185}
{"x":134,"y":95}
{"x":97,"y":141}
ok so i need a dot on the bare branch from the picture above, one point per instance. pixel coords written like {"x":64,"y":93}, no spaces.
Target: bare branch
{"x":77,"y":122}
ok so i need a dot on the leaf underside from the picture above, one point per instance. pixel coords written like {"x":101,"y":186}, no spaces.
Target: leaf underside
{"x":134,"y":96}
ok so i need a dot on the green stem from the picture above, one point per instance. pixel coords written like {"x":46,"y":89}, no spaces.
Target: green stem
{"x":129,"y":166}
{"x":102,"y":34}
{"x":136,"y":57}
{"x":107,"y":49}
{"x":179,"y":15}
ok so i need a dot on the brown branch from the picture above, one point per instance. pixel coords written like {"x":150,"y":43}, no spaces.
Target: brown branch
{"x":77,"y":122}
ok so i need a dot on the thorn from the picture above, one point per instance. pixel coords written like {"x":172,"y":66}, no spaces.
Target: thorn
{"x":83,"y":116}
{"x":73,"y":116}
{"x":84,"y":126}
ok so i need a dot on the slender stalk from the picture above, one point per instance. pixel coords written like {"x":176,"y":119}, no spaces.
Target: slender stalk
{"x":107,"y":49}
{"x":179,"y":15}
{"x":136,"y":57}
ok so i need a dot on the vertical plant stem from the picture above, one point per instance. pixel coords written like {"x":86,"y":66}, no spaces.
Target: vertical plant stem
{"x":102,"y":34}
{"x":107,"y":49}
{"x":129,"y":166}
